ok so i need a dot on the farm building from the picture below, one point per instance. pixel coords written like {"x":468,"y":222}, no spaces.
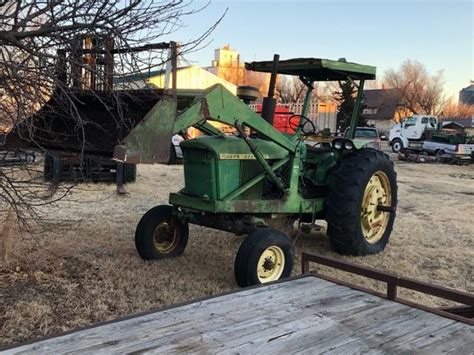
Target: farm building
{"x":188,"y":77}
{"x":465,"y":124}
{"x":380,"y":108}
{"x":466,"y":95}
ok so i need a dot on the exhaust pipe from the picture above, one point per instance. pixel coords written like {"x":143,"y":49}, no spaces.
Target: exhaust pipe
{"x":269,"y":102}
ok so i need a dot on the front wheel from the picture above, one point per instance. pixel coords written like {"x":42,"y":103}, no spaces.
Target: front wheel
{"x":361,"y":203}
{"x":265,"y":255}
{"x":439,"y":154}
{"x":397,"y":145}
{"x":160,"y":234}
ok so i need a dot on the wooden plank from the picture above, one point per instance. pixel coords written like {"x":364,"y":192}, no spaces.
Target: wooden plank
{"x":173,"y":320}
{"x":171,"y":331}
{"x":327,"y":335}
{"x":306,"y":314}
{"x":449,"y":339}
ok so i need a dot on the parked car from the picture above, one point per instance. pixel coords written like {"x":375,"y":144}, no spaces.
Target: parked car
{"x":366,"y":137}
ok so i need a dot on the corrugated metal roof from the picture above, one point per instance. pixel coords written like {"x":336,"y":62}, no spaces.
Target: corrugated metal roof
{"x":142,"y":75}
{"x":468,"y":88}
{"x":465,"y":122}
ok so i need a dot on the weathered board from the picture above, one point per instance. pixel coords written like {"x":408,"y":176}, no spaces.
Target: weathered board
{"x":306,"y":314}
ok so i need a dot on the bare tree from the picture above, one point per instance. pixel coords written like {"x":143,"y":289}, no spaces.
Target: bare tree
{"x":290,"y":89}
{"x":420,"y":92}
{"x":38,"y":37}
{"x":453,"y":109}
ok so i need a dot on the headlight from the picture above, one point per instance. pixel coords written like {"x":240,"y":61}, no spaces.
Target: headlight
{"x":343,"y":144}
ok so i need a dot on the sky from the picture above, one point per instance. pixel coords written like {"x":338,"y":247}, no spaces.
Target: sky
{"x":438,"y":34}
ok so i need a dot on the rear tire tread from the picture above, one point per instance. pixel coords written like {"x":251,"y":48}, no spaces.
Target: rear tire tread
{"x":344,"y":200}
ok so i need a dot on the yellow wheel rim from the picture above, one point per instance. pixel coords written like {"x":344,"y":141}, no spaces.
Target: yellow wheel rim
{"x":270,"y":264}
{"x":165,"y":237}
{"x":374,"y":222}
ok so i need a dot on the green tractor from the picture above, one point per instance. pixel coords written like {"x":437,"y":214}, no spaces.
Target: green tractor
{"x":237,"y":183}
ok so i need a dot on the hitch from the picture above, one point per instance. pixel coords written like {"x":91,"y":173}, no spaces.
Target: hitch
{"x":388,"y":209}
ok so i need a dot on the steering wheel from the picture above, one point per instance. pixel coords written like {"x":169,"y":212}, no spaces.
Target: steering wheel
{"x":306,"y":122}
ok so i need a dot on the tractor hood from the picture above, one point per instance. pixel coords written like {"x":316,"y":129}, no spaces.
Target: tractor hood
{"x":233,"y":148}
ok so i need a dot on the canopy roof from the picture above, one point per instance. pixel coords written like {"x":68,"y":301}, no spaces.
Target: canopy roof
{"x":317,"y":69}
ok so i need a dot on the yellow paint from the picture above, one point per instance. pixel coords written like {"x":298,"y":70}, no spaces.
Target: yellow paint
{"x":377,"y":192}
{"x":239,"y":156}
{"x":165,"y":238}
{"x":270,"y":264}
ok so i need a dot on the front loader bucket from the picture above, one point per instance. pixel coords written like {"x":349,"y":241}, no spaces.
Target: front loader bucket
{"x":150,"y":140}
{"x":102,"y":122}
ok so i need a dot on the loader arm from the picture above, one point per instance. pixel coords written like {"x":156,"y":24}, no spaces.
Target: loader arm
{"x":150,"y":141}
{"x":219,"y":104}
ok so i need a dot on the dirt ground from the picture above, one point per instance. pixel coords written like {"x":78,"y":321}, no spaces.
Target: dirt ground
{"x":87,"y":270}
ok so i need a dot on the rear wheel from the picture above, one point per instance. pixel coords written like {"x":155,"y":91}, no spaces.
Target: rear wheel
{"x":397,"y":145}
{"x":265,"y":255}
{"x":160,"y":234}
{"x":439,"y":154}
{"x":361,"y":203}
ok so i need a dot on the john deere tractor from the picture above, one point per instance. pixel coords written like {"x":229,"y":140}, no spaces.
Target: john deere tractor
{"x":236,"y":183}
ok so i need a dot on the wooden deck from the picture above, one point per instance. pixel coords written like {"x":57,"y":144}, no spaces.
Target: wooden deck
{"x":306,"y":314}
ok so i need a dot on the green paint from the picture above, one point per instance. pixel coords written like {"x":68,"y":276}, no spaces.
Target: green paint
{"x":219,"y":104}
{"x":212,"y":170}
{"x":231,"y":147}
{"x":316,"y":69}
{"x":142,"y":142}
{"x":285,"y":206}
{"x":248,"y":176}
{"x":356,"y":112}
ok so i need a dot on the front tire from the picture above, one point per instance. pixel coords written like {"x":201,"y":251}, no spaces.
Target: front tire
{"x":266,"y":255}
{"x":364,"y":180}
{"x":397,"y":145}
{"x":160,"y":234}
{"x":439,"y":155}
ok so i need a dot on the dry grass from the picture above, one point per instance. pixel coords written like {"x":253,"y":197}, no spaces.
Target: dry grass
{"x":88,"y":271}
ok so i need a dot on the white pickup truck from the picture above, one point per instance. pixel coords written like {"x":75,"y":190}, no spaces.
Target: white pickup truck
{"x":455,"y":151}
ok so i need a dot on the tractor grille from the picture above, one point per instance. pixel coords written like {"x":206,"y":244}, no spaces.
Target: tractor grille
{"x":199,"y":173}
{"x":198,"y":154}
{"x":212,"y":178}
